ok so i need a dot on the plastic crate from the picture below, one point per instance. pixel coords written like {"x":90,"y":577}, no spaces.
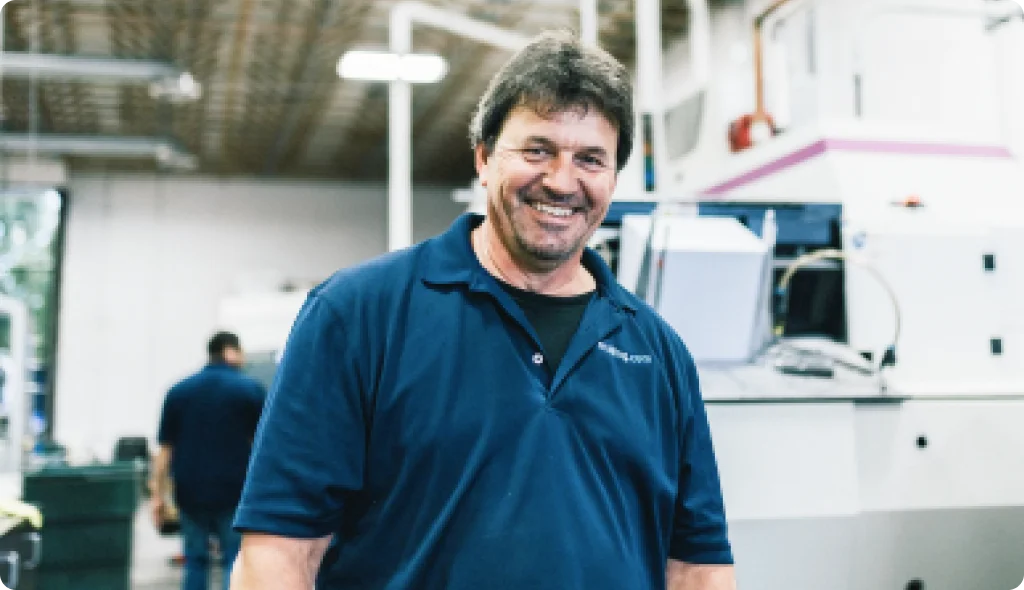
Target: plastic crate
{"x":82,"y":544}
{"x":88,"y":520}
{"x":94,"y":578}
{"x":84,"y":493}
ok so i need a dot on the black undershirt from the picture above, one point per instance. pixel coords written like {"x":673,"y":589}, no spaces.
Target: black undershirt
{"x":554,"y":319}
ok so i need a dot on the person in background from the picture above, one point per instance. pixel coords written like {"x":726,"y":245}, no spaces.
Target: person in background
{"x":206,"y":432}
{"x":490,"y":409}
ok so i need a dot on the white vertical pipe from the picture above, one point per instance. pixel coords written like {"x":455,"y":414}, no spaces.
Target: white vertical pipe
{"x":403,"y":15}
{"x":588,"y":22}
{"x":700,"y":41}
{"x":648,"y":52}
{"x":649,"y":82}
{"x":400,"y":141}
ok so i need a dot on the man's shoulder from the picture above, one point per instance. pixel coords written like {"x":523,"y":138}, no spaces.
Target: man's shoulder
{"x":657,"y":330}
{"x":244,"y":382}
{"x":375,"y":280}
{"x":210,"y":376}
{"x":642,"y":314}
{"x":186,"y":384}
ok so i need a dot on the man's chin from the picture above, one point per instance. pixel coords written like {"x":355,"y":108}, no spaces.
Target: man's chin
{"x":546,"y":248}
{"x":548,"y":254}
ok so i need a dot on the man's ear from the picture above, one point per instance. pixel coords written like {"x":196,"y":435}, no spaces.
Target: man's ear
{"x":480,"y":157}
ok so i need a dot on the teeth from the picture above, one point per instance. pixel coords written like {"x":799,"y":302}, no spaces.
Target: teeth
{"x":556,"y":211}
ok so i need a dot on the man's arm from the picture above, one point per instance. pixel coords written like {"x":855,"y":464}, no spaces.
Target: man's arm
{"x":700,"y":555}
{"x":295,"y":494}
{"x":268,"y":562}
{"x":157,"y":483}
{"x":680,"y":575}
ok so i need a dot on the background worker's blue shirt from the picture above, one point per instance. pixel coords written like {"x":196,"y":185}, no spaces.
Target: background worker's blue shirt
{"x":412,"y":418}
{"x":209,"y":421}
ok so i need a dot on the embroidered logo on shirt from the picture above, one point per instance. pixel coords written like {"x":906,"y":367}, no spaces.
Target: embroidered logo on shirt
{"x":634,"y":359}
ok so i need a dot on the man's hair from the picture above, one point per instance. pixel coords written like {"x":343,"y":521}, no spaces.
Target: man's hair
{"x":555,"y":73}
{"x":221,"y":341}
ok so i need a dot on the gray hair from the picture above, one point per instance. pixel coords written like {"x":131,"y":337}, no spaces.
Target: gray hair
{"x":552,"y":74}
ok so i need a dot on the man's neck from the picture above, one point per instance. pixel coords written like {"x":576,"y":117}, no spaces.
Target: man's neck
{"x":566,"y":279}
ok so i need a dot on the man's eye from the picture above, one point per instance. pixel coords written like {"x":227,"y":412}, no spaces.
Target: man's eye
{"x":536,"y":152}
{"x":593,"y":162}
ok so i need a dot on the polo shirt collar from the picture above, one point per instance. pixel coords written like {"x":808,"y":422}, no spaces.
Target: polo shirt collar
{"x":450,"y":260}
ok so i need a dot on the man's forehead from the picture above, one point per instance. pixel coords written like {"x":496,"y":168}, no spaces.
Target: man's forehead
{"x":559,"y":125}
{"x":572,"y":112}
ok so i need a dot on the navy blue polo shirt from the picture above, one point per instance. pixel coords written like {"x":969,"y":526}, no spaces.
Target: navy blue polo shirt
{"x":209,"y":421}
{"x":413,"y":418}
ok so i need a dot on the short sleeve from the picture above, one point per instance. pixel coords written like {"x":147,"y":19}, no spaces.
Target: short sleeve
{"x":700,"y":533}
{"x":309,"y":450}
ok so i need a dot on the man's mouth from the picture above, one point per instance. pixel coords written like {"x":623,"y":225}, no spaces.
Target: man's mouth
{"x":554,"y":210}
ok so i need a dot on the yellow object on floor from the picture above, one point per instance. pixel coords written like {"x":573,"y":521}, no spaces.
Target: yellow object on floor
{"x":14,"y":512}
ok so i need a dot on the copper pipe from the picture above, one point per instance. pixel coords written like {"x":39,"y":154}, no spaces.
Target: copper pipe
{"x":759,"y":111}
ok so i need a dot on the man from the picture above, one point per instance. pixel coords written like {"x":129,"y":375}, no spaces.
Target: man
{"x":490,"y":409}
{"x":206,"y":433}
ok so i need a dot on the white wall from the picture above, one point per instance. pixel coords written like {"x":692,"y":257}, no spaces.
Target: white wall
{"x":148,"y":260}
{"x":21,"y":171}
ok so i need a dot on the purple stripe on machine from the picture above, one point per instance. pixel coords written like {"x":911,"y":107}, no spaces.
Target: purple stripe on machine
{"x":857,"y":145}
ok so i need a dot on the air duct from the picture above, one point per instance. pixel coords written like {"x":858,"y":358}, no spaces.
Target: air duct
{"x":65,"y":67}
{"x":166,"y":152}
{"x":166,"y":80}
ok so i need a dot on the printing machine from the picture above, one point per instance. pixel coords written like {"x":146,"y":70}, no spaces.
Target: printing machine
{"x":868,"y":418}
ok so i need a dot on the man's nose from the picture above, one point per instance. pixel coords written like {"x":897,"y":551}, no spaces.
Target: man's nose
{"x":562,"y":178}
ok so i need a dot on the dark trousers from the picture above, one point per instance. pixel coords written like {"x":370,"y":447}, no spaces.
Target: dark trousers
{"x":196,"y":530}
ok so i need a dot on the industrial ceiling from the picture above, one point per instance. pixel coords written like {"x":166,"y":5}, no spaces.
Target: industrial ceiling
{"x":271,"y":102}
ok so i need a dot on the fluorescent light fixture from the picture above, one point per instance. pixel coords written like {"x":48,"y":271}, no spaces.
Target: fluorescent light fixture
{"x":421,"y":68}
{"x":381,"y":66}
{"x":180,"y":88}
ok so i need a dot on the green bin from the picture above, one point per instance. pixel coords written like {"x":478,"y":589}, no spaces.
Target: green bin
{"x":88,"y":520}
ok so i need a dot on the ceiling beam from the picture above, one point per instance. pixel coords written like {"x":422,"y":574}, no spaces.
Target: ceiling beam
{"x":66,"y":99}
{"x":18,"y":30}
{"x":199,"y":54}
{"x":307,"y":70}
{"x":243,"y":32}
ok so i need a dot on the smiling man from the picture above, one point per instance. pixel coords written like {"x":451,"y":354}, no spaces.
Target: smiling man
{"x":489,"y":408}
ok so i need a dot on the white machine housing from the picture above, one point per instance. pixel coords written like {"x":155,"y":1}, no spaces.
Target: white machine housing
{"x":960,"y":328}
{"x":843,"y":484}
{"x":709,"y":278}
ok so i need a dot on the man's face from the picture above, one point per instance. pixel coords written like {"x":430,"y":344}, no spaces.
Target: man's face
{"x":234,"y":356}
{"x":549,"y":183}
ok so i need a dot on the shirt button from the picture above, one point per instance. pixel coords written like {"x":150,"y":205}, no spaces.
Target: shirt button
{"x":538,"y":358}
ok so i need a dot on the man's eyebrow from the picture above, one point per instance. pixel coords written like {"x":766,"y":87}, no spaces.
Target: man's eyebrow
{"x":592,"y":149}
{"x":539,"y":139}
